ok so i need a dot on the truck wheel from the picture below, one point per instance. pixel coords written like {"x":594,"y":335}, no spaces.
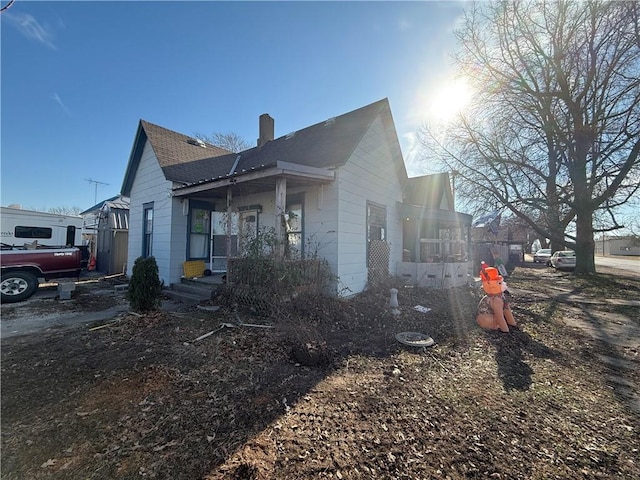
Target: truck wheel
{"x":17,"y":286}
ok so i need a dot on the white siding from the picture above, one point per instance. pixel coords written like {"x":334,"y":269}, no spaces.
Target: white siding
{"x":178,"y":240}
{"x":335,"y":215}
{"x":370,"y":175}
{"x":321,"y":223}
{"x":169,"y":223}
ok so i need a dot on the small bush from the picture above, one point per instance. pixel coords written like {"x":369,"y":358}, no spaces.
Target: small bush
{"x":145,"y":288}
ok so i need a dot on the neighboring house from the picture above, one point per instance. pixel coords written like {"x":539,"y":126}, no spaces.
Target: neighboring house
{"x":107,"y":226}
{"x":623,"y":245}
{"x":494,"y":237}
{"x":338,"y":184}
{"x":90,"y":218}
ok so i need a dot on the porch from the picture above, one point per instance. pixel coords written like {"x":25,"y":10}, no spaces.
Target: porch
{"x":436,"y":247}
{"x":226,"y":215}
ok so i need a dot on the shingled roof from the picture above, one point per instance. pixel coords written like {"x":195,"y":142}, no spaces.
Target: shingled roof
{"x":326,"y":144}
{"x":428,"y":191}
{"x":172,"y":149}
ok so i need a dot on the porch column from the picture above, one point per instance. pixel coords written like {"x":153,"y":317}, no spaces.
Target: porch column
{"x":281,"y":204}
{"x":229,"y":226}
{"x":418,"y":248}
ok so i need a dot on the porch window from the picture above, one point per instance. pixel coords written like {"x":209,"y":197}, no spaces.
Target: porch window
{"x":199,"y":228}
{"x":294,"y":222}
{"x":147,"y":229}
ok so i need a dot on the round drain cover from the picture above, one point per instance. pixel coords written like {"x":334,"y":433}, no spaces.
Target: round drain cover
{"x":415,"y":339}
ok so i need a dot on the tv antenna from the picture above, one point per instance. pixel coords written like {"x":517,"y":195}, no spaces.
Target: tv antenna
{"x":96,"y":182}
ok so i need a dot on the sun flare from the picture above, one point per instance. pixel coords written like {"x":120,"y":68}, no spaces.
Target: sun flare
{"x":448,"y":100}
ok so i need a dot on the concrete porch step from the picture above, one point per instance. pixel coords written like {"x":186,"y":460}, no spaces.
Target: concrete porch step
{"x":188,"y":292}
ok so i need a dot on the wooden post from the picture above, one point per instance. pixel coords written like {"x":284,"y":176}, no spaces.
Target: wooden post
{"x":229,"y":225}
{"x":281,"y":204}
{"x":418,"y":246}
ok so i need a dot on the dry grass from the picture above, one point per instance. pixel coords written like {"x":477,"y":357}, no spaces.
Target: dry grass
{"x":329,"y":393}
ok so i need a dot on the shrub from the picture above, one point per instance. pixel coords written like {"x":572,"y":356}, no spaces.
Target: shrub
{"x":145,"y":288}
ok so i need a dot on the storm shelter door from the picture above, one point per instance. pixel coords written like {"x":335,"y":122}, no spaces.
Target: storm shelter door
{"x":220,"y":222}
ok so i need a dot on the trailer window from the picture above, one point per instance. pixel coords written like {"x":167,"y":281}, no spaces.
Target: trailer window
{"x":33,"y":232}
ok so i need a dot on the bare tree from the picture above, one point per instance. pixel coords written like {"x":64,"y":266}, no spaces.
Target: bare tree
{"x":553,"y":132}
{"x":65,"y":210}
{"x":229,"y":141}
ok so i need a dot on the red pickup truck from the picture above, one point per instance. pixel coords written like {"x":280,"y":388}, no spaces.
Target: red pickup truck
{"x":22,"y":268}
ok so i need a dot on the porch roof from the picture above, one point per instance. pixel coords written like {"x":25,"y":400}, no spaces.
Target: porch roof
{"x":418,"y":212}
{"x":258,"y":179}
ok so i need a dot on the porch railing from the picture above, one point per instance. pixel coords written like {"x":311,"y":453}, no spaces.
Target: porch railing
{"x":442,"y":251}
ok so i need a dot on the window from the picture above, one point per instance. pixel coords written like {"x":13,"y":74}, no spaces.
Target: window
{"x":33,"y":232}
{"x":199,"y":231}
{"x":147,"y":229}
{"x":294,"y":222}
{"x":376,"y":222}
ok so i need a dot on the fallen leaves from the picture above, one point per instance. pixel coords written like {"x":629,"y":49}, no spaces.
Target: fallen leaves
{"x":140,"y":398}
{"x":49,"y":463}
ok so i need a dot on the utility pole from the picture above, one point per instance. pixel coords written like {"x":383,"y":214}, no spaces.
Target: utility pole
{"x":95,"y":196}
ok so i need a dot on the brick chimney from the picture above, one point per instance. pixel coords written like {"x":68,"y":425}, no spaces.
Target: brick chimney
{"x":267,"y":129}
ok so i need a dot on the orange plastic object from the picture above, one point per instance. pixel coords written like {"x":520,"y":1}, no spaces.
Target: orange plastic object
{"x":492,"y":273}
{"x":491,"y":279}
{"x":492,"y":287}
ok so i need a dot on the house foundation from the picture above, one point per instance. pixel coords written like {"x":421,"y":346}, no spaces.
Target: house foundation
{"x":435,"y":275}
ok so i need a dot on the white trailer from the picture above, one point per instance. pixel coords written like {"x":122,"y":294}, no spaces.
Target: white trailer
{"x":21,"y":227}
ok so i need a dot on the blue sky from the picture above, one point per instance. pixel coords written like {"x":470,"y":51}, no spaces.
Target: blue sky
{"x":77,"y":77}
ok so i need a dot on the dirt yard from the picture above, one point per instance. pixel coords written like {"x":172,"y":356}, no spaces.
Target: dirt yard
{"x":329,"y":392}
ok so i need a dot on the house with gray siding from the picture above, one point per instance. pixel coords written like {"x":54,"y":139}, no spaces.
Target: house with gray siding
{"x":334,"y":189}
{"x":628,"y":246}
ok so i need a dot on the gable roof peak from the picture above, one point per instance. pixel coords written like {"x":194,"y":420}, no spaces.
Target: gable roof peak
{"x":173,"y":148}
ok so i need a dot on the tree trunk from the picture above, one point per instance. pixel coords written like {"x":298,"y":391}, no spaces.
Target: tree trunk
{"x":585,"y":244}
